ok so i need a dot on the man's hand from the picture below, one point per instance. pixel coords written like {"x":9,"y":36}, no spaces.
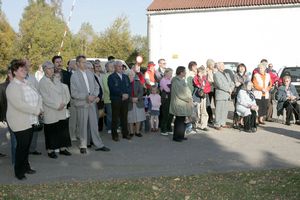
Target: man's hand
{"x":91,"y":99}
{"x":124,"y":97}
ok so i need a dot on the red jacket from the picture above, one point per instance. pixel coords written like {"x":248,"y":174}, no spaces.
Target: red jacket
{"x":198,"y":82}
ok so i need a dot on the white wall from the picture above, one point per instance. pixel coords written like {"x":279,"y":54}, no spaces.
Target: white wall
{"x":240,"y":35}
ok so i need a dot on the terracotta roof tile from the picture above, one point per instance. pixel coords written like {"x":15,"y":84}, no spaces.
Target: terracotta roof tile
{"x":157,"y":5}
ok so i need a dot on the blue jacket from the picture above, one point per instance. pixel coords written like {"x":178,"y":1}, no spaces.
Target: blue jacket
{"x":118,"y":87}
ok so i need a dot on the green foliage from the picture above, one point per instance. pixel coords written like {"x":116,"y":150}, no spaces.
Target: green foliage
{"x":140,"y":44}
{"x":268,"y":184}
{"x":41,"y":33}
{"x":7,"y":39}
{"x":84,"y":39}
{"x":116,"y":40}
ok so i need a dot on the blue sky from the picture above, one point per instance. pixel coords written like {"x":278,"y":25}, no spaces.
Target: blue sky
{"x":99,"y":13}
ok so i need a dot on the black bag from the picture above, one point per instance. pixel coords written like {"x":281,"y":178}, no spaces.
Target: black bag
{"x":100,"y":105}
{"x":236,"y":91}
{"x":40,"y":125}
{"x":199,"y":93}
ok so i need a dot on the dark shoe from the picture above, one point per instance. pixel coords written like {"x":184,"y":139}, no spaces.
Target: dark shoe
{"x":177,"y":140}
{"x":262,"y":123}
{"x":131,"y":134}
{"x":127,"y":137}
{"x":184,"y":138}
{"x":138,"y":135}
{"x":218,"y":128}
{"x":288,"y":123}
{"x":35,"y":153}
{"x":225,"y":126}
{"x":297,"y":122}
{"x":116,"y":139}
{"x":248,"y":131}
{"x":83,"y":150}
{"x":65,"y":152}
{"x":204,"y":129}
{"x":52,"y":155}
{"x":253,"y":130}
{"x":2,"y":155}
{"x":269,"y":120}
{"x":89,"y":146}
{"x":30,"y":171}
{"x":21,"y":178}
{"x":102,"y":149}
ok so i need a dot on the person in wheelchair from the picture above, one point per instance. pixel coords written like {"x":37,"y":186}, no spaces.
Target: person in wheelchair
{"x":287,"y":97}
{"x":246,"y":107}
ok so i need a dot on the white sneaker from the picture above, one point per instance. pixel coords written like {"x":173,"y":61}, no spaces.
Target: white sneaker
{"x":164,"y":134}
{"x":190,"y":132}
{"x":170,"y":133}
{"x":118,"y":130}
{"x":109,"y":132}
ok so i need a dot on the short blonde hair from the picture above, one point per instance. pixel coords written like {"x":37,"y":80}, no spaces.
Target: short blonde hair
{"x":210,"y":63}
{"x":167,"y":71}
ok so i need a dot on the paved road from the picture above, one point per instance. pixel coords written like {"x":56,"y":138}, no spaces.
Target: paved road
{"x":274,"y":146}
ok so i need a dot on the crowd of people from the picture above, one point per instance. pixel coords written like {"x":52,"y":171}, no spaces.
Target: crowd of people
{"x":85,"y":99}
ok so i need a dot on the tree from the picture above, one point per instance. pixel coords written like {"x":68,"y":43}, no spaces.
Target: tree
{"x":116,"y":40}
{"x":140,"y":44}
{"x":84,"y":39}
{"x":7,"y":39}
{"x":41,"y":33}
{"x":57,"y":6}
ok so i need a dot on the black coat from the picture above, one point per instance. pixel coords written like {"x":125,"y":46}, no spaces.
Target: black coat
{"x":3,"y":101}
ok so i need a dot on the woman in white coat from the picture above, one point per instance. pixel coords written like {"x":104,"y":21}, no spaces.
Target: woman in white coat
{"x":24,"y":105}
{"x":246,"y":107}
{"x":55,"y":99}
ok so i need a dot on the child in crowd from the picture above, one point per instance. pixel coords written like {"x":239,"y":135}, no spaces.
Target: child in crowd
{"x":155,"y":104}
{"x":201,"y":90}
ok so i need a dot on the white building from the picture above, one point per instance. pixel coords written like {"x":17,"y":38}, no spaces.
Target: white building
{"x":229,"y":30}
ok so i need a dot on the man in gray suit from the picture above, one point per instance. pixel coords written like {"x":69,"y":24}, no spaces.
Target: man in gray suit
{"x":224,"y":86}
{"x":84,"y":91}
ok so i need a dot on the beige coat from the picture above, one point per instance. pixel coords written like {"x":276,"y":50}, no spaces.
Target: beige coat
{"x":53,"y":94}
{"x":181,"y":97}
{"x":18,"y":111}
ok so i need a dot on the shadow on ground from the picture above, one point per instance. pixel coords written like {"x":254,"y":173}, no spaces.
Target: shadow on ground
{"x":149,"y":156}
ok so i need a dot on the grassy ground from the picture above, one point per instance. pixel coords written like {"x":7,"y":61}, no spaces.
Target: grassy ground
{"x":270,"y":184}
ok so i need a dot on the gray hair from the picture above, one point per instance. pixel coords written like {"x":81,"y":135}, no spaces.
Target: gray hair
{"x":47,"y":64}
{"x":117,"y":63}
{"x":109,"y":63}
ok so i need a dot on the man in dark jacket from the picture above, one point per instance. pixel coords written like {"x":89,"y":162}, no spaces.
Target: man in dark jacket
{"x":119,"y":87}
{"x":58,"y":66}
{"x":287,"y":97}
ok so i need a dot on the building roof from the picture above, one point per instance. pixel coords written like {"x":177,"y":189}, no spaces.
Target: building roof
{"x":158,"y":5}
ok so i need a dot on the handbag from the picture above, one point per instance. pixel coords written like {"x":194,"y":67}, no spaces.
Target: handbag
{"x":199,"y":92}
{"x":101,"y":113}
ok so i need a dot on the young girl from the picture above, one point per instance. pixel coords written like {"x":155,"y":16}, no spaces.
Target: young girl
{"x":201,"y":90}
{"x":154,"y":113}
